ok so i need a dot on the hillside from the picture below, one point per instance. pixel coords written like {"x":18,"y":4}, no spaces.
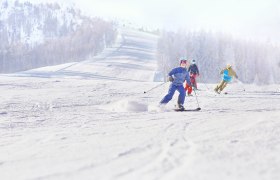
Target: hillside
{"x":91,"y":120}
{"x":38,"y":34}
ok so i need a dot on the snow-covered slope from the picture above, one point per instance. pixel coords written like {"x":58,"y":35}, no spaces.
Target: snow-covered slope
{"x":131,"y":59}
{"x":91,"y":120}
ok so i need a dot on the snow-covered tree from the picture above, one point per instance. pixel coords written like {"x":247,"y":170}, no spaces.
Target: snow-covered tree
{"x":253,"y":61}
{"x":35,"y":35}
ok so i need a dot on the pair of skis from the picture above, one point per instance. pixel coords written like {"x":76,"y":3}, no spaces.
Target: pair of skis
{"x":189,"y":110}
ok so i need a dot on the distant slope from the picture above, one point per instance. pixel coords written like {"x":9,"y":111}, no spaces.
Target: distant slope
{"x":132,"y":58}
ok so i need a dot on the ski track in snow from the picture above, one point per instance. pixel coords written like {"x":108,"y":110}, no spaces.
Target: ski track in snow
{"x":91,"y":120}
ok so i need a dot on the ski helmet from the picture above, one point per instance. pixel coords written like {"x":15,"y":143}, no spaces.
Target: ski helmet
{"x":228,"y":66}
{"x":182,"y":60}
{"x":193,"y":61}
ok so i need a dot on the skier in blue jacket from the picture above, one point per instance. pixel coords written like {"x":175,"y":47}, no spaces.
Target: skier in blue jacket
{"x":227,"y":73}
{"x":178,"y":76}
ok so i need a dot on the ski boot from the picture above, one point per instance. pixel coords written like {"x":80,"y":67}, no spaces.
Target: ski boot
{"x":181,"y":107}
{"x":217,"y":90}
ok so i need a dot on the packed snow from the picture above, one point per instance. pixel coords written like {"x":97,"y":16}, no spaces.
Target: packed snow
{"x":92,"y":120}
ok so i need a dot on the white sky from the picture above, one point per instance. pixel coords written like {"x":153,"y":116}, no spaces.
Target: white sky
{"x":253,"y":18}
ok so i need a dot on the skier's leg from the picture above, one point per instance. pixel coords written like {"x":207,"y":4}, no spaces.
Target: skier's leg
{"x":182,"y":95}
{"x":169,"y":96}
{"x":218,"y":86}
{"x":188,"y":88}
{"x":192,"y":78}
{"x":224,"y":85}
{"x":221,"y":86}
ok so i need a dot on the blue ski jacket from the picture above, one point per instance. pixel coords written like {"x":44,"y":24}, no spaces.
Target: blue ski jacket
{"x":226,"y":77}
{"x":228,"y":74}
{"x":179,"y":74}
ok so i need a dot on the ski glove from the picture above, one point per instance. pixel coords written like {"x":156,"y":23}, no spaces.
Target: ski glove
{"x":170,"y":78}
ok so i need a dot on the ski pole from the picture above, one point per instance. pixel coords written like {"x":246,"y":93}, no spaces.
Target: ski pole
{"x":196,"y":100}
{"x":154,"y":87}
{"x":206,"y":86}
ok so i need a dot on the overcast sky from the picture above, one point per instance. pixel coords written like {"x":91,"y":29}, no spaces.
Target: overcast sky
{"x":255,"y":18}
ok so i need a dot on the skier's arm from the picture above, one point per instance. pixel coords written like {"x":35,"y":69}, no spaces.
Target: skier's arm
{"x":188,"y":79}
{"x":173,"y":71}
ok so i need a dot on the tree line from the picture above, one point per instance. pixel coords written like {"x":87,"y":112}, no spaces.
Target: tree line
{"x":46,"y":34}
{"x":255,"y":62}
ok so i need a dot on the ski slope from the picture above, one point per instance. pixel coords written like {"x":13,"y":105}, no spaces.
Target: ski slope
{"x":91,"y":120}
